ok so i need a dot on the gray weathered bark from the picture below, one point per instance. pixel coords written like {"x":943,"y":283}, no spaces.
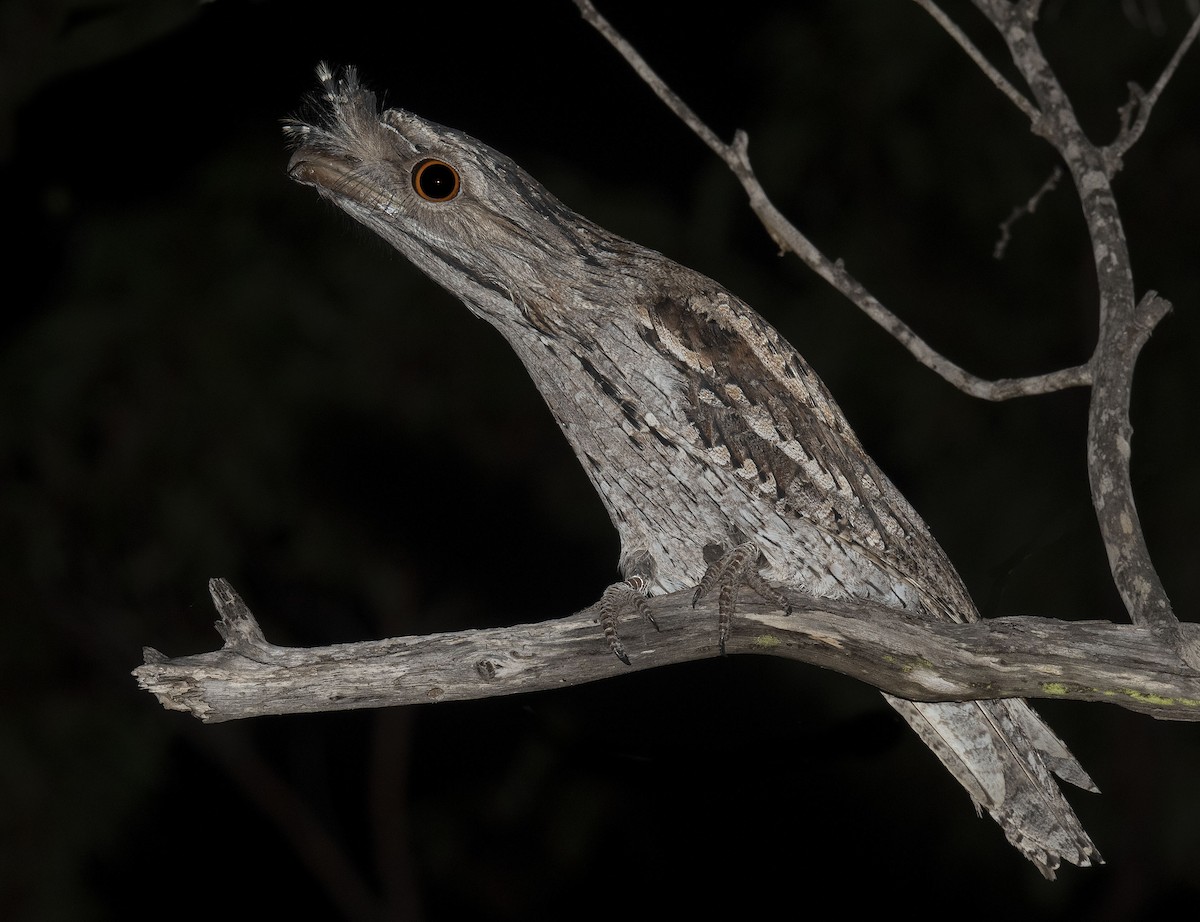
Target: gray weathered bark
{"x":908,"y":656}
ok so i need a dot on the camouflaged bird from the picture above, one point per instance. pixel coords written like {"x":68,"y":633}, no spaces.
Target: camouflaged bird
{"x":721,"y":457}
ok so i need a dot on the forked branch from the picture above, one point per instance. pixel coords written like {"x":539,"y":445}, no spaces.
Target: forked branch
{"x":908,"y":656}
{"x":1135,"y":114}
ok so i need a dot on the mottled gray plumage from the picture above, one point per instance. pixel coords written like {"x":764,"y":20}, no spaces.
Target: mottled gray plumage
{"x":699,"y":425}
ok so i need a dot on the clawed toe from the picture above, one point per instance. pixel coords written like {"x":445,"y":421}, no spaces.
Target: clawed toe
{"x":729,"y":572}
{"x":620,"y":599}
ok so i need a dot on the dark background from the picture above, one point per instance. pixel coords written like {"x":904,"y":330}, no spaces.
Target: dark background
{"x":208,"y":372}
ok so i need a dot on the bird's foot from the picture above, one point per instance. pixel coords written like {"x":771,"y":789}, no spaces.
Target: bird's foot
{"x":730,"y":572}
{"x":620,"y":599}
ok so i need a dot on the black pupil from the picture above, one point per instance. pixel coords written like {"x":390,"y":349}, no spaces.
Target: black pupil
{"x":436,"y":181}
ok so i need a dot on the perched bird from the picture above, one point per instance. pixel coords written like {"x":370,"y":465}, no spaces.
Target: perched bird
{"x":720,"y":455}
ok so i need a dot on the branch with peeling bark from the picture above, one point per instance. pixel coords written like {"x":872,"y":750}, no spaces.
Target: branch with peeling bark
{"x":906,"y":655}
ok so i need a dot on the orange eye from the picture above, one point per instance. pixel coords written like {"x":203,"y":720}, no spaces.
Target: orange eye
{"x":435,"y":180}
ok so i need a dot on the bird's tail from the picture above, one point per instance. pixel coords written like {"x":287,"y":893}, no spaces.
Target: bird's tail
{"x":1003,"y":754}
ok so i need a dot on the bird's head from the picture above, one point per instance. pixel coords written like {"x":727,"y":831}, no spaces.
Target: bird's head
{"x":462,"y":212}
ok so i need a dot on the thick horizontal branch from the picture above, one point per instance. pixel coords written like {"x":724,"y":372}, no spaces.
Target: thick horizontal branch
{"x":896,"y":652}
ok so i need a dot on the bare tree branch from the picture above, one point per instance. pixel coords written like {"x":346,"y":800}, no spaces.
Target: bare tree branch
{"x":1143,"y":104}
{"x":789,"y":238}
{"x":1002,"y":84}
{"x":1125,"y":325}
{"x":905,"y":655}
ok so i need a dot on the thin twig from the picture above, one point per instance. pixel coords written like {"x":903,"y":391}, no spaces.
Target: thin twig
{"x":1144,"y":103}
{"x":789,"y":238}
{"x":654,"y":81}
{"x":1002,"y":83}
{"x":1028,"y":208}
